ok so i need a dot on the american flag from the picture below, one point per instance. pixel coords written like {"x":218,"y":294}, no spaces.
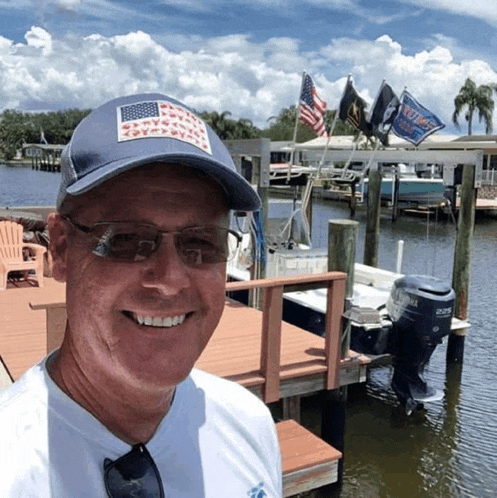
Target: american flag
{"x":163,"y":119}
{"x":312,"y":107}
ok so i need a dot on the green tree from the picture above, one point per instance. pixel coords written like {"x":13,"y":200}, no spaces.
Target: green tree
{"x":14,"y":131}
{"x":282,"y":126}
{"x":18,"y":128}
{"x":475,"y":99}
{"x":230,"y":129}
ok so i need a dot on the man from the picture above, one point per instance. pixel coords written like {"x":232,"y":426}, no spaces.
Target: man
{"x":141,"y":238}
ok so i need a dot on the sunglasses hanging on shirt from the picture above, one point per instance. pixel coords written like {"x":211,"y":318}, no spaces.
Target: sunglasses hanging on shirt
{"x":134,"y":475}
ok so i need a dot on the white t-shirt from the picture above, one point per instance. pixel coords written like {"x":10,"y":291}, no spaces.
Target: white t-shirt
{"x":217,"y":441}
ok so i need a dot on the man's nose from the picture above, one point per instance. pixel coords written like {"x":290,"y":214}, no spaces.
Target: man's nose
{"x":165,"y":269}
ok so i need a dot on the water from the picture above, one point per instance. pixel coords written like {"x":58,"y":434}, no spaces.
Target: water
{"x":22,"y":186}
{"x":447,"y":450}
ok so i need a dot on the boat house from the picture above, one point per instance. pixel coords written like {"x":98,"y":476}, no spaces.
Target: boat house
{"x":44,"y":157}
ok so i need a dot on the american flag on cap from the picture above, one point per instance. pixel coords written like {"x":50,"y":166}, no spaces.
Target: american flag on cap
{"x":161,"y":119}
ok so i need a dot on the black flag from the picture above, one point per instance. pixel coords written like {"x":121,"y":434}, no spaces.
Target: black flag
{"x":352,"y":109}
{"x":384,"y":112}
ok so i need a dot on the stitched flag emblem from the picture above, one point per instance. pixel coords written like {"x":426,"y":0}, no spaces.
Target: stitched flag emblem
{"x":162,"y":119}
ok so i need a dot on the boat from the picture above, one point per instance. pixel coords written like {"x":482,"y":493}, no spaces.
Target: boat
{"x":413,"y":186}
{"x":286,"y":165}
{"x":402,"y":316}
{"x":286,"y":174}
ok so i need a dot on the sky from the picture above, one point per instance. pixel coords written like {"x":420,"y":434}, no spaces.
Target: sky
{"x":243,"y":56}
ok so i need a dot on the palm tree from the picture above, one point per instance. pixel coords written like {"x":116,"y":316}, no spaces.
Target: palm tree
{"x":219,"y":122}
{"x":476,"y":99}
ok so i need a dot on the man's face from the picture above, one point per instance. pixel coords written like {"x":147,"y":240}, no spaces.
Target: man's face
{"x":106,"y":300}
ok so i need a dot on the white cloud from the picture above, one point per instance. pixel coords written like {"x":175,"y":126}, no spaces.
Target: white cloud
{"x":252,"y":80}
{"x":204,"y":4}
{"x":483,"y":9}
{"x":38,"y":38}
{"x":226,"y":73}
{"x":432,"y":76}
{"x":68,"y":5}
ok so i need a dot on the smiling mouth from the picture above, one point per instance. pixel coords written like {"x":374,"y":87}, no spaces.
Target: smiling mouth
{"x":156,"y":321}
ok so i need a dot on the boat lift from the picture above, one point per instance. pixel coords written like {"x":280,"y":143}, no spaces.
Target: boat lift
{"x":449,"y":159}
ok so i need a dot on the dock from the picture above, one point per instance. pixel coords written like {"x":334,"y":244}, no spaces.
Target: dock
{"x":275,"y":360}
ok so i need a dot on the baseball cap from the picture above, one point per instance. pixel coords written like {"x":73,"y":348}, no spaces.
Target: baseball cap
{"x":136,"y":130}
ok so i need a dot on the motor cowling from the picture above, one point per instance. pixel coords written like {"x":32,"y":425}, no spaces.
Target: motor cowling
{"x":421,"y":309}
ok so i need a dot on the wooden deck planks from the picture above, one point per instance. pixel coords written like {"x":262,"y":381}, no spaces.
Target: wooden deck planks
{"x":307,"y":461}
{"x":235,"y":346}
{"x":23,"y":334}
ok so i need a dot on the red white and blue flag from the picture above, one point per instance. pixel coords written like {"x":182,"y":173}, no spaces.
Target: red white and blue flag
{"x":415,"y":122}
{"x":162,"y":119}
{"x":312,"y":107}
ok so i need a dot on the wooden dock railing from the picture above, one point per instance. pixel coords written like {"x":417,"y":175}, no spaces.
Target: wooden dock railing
{"x":334,"y":282}
{"x":53,"y":301}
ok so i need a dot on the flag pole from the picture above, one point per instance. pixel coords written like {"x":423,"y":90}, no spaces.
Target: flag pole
{"x":370,"y":161}
{"x":376,"y":100}
{"x":349,"y":160}
{"x":356,"y":143}
{"x":332,"y":129}
{"x":373,"y":152}
{"x":297,"y":116}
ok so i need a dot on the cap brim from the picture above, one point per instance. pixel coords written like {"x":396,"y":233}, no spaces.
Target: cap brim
{"x":240,"y":194}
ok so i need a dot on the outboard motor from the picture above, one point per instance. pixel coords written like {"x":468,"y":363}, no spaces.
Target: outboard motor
{"x":421,"y":309}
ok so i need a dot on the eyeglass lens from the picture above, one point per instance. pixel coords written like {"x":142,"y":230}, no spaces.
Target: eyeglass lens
{"x":134,"y":242}
{"x":134,"y":475}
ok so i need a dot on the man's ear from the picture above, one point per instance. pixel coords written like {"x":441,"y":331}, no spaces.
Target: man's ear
{"x":58,"y":231}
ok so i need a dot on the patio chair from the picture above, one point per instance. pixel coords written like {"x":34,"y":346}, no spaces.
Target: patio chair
{"x":17,"y":255}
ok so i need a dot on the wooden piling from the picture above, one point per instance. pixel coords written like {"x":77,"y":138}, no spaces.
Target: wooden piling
{"x":395,"y":194}
{"x":372,"y":236}
{"x":353,"y":199}
{"x":462,"y":261}
{"x":342,"y":236}
{"x":259,"y":268}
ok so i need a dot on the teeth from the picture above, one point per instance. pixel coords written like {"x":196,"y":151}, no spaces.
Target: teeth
{"x":158,"y":321}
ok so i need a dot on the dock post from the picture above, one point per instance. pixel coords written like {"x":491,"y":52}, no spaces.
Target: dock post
{"x":342,"y":236}
{"x":372,"y":236}
{"x":395,"y":194}
{"x":259,"y":270}
{"x":333,"y":413}
{"x":462,"y":262}
{"x":353,"y":198}
{"x":308,"y":211}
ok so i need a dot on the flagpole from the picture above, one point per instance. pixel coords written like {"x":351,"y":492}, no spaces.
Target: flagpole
{"x":333,"y":124}
{"x":349,"y":160}
{"x":356,"y":144}
{"x":297,"y":116}
{"x":370,"y":161}
{"x":373,"y":153}
{"x":376,"y":100}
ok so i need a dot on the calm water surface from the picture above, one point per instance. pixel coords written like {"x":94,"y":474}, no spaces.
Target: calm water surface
{"x":22,"y":186}
{"x":448,"y":450}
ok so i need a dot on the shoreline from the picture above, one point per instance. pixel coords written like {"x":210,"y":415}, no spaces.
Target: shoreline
{"x":16,"y":163}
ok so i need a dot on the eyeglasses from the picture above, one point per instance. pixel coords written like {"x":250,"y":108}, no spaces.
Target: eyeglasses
{"x":133,"y":475}
{"x":129,"y":242}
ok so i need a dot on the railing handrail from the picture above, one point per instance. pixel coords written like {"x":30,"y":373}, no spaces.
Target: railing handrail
{"x":270,"y":362}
